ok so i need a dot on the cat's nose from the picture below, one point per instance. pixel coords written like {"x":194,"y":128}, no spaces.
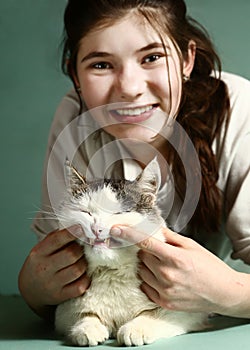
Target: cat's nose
{"x":97,"y":229}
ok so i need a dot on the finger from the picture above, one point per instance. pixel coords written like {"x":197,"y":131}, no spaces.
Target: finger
{"x":173,"y":238}
{"x":148,"y":276}
{"x":57,"y":239}
{"x":76,"y":288}
{"x":151,"y":293}
{"x":157,"y":298}
{"x":128,"y":233}
{"x":149,"y":260}
{"x":72,"y":273}
{"x":67,"y":256}
{"x":141,"y":239}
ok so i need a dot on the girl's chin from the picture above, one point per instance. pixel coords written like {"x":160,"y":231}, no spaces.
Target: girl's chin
{"x":131,"y":131}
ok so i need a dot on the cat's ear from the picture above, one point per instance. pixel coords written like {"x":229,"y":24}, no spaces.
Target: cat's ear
{"x":149,"y":182}
{"x":150,"y":178}
{"x":75,"y":182}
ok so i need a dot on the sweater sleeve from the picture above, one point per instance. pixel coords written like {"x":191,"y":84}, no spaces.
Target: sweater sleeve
{"x":234,"y":168}
{"x":45,"y":221}
{"x":77,"y":137}
{"x":238,"y":201}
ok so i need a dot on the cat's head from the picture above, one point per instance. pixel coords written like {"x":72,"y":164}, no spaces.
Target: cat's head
{"x":98,"y":205}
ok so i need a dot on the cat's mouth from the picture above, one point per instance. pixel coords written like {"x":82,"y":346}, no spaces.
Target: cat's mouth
{"x":108,"y":242}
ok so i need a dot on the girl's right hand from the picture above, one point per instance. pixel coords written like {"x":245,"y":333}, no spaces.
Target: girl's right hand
{"x":54,"y":271}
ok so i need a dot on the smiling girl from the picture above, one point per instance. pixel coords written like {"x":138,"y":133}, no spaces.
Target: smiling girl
{"x":145,"y":63}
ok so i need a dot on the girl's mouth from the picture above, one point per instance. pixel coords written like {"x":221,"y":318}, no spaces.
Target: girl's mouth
{"x":133,"y":115}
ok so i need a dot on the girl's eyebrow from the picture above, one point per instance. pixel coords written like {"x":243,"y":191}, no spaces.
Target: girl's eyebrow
{"x":151,"y":46}
{"x":95,"y":54}
{"x":102,"y":54}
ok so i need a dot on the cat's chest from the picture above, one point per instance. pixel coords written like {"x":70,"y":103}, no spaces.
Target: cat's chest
{"x":115,"y":296}
{"x":115,"y":282}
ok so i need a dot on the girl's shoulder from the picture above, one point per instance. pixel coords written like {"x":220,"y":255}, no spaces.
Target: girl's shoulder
{"x":233,"y":140}
{"x":71,"y":113}
{"x":238,"y":88}
{"x":234,"y":132}
{"x":67,"y":110}
{"x":239,"y":93}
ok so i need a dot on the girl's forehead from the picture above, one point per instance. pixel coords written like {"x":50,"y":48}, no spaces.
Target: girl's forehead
{"x":132,"y":27}
{"x":129,"y":18}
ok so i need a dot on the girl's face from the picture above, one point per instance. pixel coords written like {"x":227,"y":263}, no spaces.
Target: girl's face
{"x":125,"y":64}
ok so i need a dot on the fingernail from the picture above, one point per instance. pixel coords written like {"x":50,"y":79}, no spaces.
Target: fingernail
{"x":115,"y":231}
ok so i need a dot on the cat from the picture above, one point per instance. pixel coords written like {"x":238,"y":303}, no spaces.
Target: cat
{"x":114,"y":305}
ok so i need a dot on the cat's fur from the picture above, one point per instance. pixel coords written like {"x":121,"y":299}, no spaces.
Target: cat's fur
{"x":114,"y":305}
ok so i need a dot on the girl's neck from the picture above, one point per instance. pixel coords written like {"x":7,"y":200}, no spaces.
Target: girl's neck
{"x":143,"y":153}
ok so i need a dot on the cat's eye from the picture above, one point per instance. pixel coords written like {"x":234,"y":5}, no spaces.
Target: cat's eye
{"x":122,"y":212}
{"x":87,"y":212}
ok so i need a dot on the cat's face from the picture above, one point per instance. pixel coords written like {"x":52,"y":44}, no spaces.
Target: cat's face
{"x":97,"y":206}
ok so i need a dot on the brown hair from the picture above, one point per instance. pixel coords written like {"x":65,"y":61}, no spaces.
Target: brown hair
{"x":205,"y":102}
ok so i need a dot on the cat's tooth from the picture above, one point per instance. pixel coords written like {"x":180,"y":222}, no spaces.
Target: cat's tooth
{"x":91,"y":241}
{"x":107,"y":241}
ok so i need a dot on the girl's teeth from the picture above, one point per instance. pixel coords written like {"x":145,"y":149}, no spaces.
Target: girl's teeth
{"x":134,"y":111}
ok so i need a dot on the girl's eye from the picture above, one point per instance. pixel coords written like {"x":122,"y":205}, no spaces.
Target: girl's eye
{"x":101,"y":65}
{"x":152,"y":58}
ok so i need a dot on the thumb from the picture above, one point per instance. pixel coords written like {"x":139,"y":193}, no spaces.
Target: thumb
{"x":128,"y":233}
{"x":172,"y":237}
{"x":141,"y":239}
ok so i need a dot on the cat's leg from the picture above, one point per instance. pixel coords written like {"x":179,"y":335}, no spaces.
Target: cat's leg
{"x":146,"y":329}
{"x":78,"y":327}
{"x":159,"y":323}
{"x":88,"y":331}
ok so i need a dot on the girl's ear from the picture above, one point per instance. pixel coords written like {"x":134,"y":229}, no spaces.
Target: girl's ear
{"x":188,"y":64}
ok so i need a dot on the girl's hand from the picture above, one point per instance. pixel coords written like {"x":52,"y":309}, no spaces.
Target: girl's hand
{"x":182,"y":275}
{"x":54,"y":271}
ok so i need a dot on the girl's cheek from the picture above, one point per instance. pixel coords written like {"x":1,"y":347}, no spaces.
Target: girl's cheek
{"x":96,"y":91}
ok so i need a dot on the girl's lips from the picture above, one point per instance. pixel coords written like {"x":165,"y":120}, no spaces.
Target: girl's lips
{"x":133,"y":115}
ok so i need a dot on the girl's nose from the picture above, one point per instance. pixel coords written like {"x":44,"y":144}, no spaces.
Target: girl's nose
{"x":130,"y":83}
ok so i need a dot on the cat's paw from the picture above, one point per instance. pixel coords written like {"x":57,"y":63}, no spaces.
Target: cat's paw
{"x":88,"y":332}
{"x":136,"y":333}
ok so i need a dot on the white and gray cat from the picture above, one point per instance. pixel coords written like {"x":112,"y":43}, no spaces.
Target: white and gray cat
{"x":114,"y":305}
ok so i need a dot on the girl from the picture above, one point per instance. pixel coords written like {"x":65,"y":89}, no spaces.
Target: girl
{"x":145,"y":59}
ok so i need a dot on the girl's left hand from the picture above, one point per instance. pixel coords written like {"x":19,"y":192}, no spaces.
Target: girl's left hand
{"x":181,"y":275}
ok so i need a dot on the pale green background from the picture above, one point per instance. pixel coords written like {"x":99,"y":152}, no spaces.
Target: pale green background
{"x":32,"y":86}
